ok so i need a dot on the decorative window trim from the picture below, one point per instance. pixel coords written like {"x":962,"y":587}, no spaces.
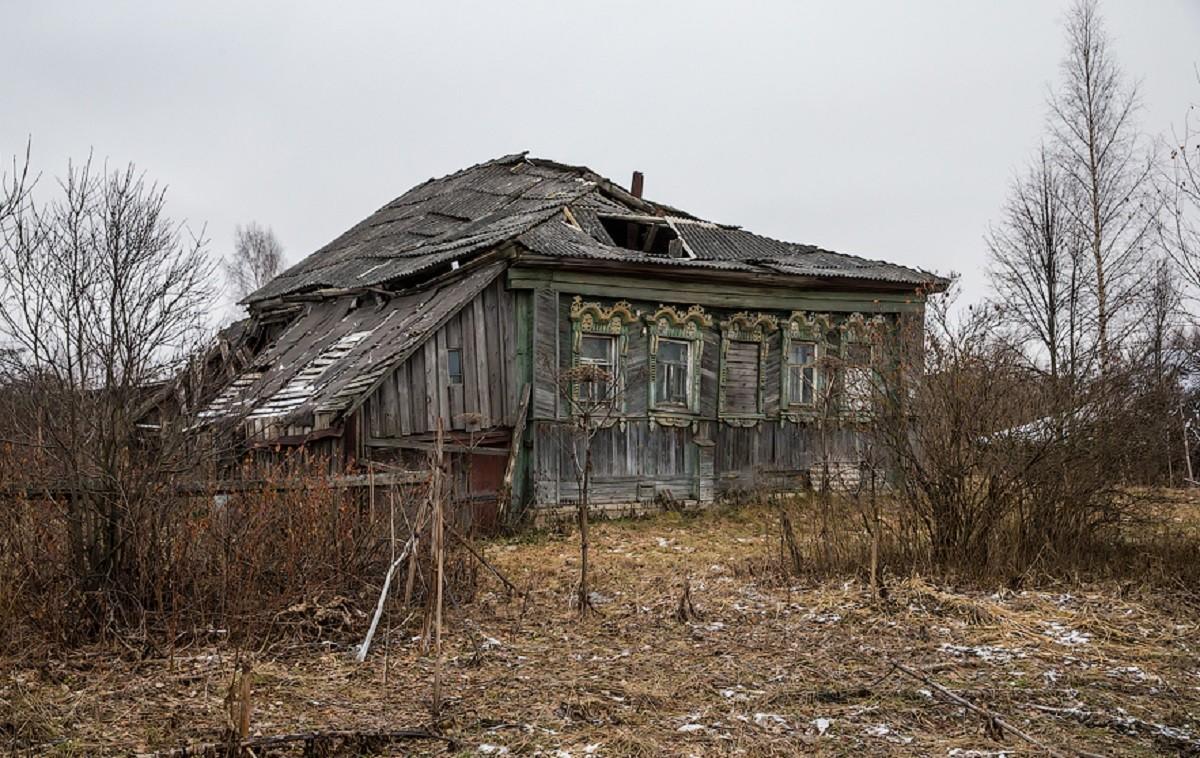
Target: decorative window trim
{"x":803,"y":326}
{"x":668,"y":322}
{"x":614,"y":321}
{"x":746,"y":327}
{"x":857,"y":329}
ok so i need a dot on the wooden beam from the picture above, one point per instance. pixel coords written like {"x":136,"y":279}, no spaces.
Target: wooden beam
{"x":402,"y":444}
{"x":712,"y":293}
{"x":504,"y":500}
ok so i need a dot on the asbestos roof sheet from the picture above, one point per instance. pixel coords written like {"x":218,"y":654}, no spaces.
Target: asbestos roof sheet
{"x":466,"y":213}
{"x":327,"y":358}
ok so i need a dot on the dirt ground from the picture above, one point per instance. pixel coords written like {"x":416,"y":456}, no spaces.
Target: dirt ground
{"x":769,"y":667}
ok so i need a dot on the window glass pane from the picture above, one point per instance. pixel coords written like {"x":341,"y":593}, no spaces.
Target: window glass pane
{"x":802,"y":352}
{"x":809,"y":385}
{"x":454,"y":365}
{"x":594,"y":349}
{"x":598,"y":351}
{"x":671,"y":382}
{"x":672,"y":352}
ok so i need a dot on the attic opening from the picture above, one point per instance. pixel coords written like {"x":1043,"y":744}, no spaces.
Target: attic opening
{"x":644,"y":235}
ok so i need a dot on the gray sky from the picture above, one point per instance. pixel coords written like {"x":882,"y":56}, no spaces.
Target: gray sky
{"x":885,"y":129}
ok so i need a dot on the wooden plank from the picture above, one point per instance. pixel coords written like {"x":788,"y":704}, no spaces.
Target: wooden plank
{"x":443,"y":381}
{"x":403,"y":401}
{"x":505,"y":497}
{"x":431,"y":384}
{"x":545,"y":331}
{"x":470,"y":382}
{"x":481,"y":361}
{"x":715,"y":294}
{"x":450,"y":447}
{"x":491,"y":310}
{"x":508,"y":348}
{"x":416,"y":385}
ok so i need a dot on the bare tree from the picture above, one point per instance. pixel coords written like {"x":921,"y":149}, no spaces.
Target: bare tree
{"x":101,"y":297}
{"x":592,"y":396}
{"x":1107,"y":172}
{"x":257,"y":257}
{"x":1036,"y":266}
{"x":1179,"y":227}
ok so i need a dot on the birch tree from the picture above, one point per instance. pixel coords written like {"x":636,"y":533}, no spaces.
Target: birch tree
{"x":257,"y":257}
{"x":1106,"y":169}
{"x":1036,"y":265}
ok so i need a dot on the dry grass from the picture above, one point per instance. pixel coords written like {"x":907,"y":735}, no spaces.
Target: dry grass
{"x":772,"y":666}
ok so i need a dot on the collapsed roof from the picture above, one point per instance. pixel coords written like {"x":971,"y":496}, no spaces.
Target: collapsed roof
{"x":524,"y":200}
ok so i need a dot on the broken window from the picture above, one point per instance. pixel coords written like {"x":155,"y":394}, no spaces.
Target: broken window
{"x":858,"y":378}
{"x":454,"y":365}
{"x":599,"y":351}
{"x":643,"y":234}
{"x":673,"y":373}
{"x":802,"y":373}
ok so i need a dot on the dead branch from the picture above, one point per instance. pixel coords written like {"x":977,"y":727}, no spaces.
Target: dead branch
{"x":362,"y":739}
{"x":1168,"y":737}
{"x":993,"y":720}
{"x":512,"y":588}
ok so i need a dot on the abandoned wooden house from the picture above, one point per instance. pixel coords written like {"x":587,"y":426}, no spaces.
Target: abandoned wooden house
{"x":463,"y":302}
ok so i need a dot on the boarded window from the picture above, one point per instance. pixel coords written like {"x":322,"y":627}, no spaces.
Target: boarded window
{"x":741,"y":377}
{"x":673,"y":372}
{"x":802,"y":373}
{"x":599,"y":351}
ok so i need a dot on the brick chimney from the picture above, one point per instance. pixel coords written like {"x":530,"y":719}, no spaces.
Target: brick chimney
{"x":635,"y":186}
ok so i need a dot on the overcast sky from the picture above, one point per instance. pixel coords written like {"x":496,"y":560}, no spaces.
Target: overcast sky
{"x":885,"y":129}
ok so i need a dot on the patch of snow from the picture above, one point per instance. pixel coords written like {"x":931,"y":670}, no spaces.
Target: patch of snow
{"x":1132,"y":672}
{"x":927,"y":694}
{"x":1065,"y":635}
{"x":989,"y":653}
{"x":491,"y":642}
{"x":822,"y":724}
{"x":689,"y":728}
{"x":487,"y":749}
{"x":1051,"y":676}
{"x":769,"y":719}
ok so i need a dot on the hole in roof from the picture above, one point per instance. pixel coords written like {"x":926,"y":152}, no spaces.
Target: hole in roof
{"x":643,"y":235}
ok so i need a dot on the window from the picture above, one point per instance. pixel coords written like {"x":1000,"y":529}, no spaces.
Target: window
{"x":673,"y":375}
{"x":599,"y":351}
{"x":742,"y":373}
{"x":802,"y":373}
{"x":454,"y":365}
{"x":858,"y":378}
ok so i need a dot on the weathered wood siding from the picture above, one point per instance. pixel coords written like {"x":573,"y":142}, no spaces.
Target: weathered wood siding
{"x":418,"y":391}
{"x":637,"y":459}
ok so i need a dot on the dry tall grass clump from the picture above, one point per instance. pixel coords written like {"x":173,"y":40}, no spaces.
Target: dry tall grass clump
{"x":284,"y":550}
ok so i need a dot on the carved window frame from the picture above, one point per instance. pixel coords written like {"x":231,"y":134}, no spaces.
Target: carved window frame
{"x":670,"y":323}
{"x":857,"y":330}
{"x":804,"y":326}
{"x":754,"y":328}
{"x":615,"y":321}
